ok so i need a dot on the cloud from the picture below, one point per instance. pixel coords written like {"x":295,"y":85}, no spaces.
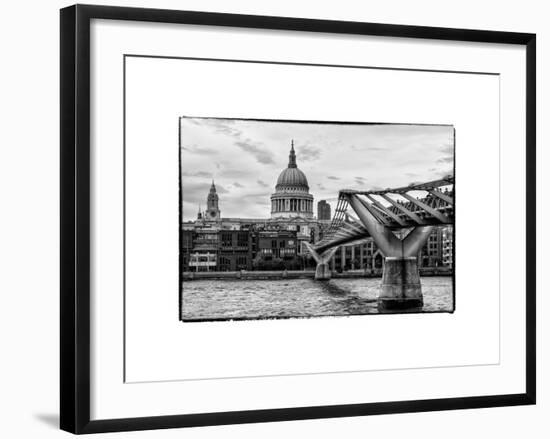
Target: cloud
{"x":190,"y":209}
{"x":367,"y":148}
{"x":262,"y":183}
{"x":445,"y":173}
{"x":223,"y":126}
{"x":261,"y":155}
{"x":444,"y":160}
{"x":320,"y":186}
{"x":332,"y":177}
{"x":220,"y":189}
{"x":237,"y":174}
{"x":194,"y":149}
{"x":237,"y":184}
{"x":360,"y":181}
{"x":262,"y":194}
{"x":195,"y":192}
{"x":192,"y":120}
{"x":201,"y":174}
{"x":308,"y":152}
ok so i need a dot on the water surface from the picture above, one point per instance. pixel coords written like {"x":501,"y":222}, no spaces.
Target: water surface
{"x":215,"y":299}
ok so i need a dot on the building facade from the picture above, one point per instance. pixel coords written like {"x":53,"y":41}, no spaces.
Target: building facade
{"x":235,"y":250}
{"x":323,"y":210}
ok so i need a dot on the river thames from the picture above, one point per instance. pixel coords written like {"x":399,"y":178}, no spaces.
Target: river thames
{"x":235,"y":299}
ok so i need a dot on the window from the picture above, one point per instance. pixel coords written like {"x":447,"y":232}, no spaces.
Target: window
{"x":242,"y":239}
{"x":225,"y":264}
{"x":226,"y":240}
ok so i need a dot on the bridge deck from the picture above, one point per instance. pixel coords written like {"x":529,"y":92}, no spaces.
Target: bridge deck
{"x":421,"y":204}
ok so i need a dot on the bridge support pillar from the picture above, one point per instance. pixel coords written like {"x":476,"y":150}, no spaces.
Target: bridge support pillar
{"x":400,"y":287}
{"x":322,"y":271}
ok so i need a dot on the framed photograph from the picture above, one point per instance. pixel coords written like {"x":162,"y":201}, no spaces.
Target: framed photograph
{"x":275,"y":218}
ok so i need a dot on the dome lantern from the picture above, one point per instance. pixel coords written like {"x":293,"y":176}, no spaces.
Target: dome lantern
{"x":292,"y":157}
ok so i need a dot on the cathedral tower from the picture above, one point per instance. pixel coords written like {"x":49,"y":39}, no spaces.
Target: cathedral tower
{"x":212,"y":209}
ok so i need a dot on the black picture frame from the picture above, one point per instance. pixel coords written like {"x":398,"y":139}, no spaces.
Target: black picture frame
{"x":75,"y":217}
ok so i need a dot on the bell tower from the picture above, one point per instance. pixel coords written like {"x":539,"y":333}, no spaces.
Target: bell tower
{"x":212,"y":209}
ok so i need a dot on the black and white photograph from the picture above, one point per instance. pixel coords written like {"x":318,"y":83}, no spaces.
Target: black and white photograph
{"x":288,"y":219}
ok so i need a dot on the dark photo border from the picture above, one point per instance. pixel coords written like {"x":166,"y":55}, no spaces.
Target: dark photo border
{"x":75,"y":212}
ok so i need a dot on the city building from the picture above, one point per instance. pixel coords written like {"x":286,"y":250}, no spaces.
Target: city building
{"x":276,"y":248}
{"x":447,"y":246}
{"x":235,"y":249}
{"x":323,"y":210}
{"x":215,"y":243}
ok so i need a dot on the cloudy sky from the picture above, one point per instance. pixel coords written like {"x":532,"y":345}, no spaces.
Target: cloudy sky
{"x":245,"y":158}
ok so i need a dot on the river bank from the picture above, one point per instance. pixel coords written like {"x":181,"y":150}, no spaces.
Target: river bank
{"x":299,"y":274}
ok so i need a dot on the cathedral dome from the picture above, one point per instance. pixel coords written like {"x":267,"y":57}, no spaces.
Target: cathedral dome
{"x":292,"y":177}
{"x":291,"y":197}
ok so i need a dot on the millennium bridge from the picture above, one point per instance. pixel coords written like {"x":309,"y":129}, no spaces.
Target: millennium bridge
{"x":399,"y":221}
